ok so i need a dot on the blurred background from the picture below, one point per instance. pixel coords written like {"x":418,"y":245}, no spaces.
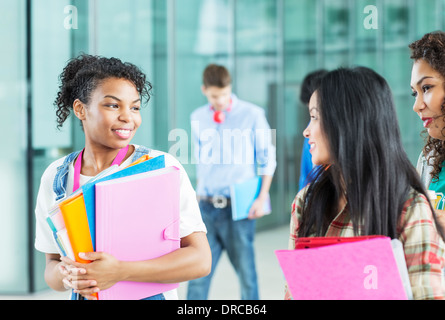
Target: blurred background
{"x":268,"y":45}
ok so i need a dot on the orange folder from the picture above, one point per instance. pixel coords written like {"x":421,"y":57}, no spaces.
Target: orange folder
{"x":76,"y":223}
{"x":141,"y":159}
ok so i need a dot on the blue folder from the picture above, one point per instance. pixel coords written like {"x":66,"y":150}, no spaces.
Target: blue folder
{"x":89,"y":190}
{"x":242,"y":196}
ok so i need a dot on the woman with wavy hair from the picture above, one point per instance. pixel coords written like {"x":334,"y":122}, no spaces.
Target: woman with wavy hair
{"x":365,"y":184}
{"x":428,"y":86}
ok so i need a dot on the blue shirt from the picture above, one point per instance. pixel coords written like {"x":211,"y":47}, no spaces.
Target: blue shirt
{"x":236,"y":150}
{"x":306,"y":165}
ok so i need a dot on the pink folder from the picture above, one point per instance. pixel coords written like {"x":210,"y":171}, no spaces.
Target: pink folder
{"x":137,"y":218}
{"x":363,"y":270}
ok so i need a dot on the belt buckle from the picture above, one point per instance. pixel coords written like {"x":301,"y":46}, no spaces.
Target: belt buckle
{"x":219,"y":202}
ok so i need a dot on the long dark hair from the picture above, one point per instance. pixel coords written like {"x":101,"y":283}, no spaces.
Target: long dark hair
{"x":369,"y":165}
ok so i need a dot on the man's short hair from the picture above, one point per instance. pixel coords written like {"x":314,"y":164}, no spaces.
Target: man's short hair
{"x":216,"y":76}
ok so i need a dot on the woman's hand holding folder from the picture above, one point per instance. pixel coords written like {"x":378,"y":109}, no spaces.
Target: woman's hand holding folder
{"x":88,"y":279}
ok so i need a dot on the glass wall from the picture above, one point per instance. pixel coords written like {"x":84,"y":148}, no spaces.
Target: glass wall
{"x":49,"y":29}
{"x":301,"y":55}
{"x":257,"y":74}
{"x":199,"y":34}
{"x":269,"y":46}
{"x":14,"y":227}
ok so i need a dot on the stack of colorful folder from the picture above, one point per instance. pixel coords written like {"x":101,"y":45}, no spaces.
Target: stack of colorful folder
{"x":131,"y":213}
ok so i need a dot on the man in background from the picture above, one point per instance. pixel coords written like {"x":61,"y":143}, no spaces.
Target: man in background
{"x":232,"y":143}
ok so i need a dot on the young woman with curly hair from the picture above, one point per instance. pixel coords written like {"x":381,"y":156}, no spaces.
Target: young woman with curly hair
{"x":428,"y":86}
{"x":106,"y":94}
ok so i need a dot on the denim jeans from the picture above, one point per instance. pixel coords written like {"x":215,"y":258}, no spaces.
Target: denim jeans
{"x":236,"y":237}
{"x":61,"y":178}
{"x":155,"y":297}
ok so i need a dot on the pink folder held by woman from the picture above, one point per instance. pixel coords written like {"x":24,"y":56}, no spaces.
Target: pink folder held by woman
{"x":137,"y":219}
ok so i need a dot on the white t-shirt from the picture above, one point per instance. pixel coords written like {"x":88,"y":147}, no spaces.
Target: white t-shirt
{"x":190,"y":215}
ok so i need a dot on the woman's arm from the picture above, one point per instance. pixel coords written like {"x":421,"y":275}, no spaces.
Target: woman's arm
{"x":424,"y":250}
{"x":191,"y":261}
{"x":58,"y":274}
{"x":53,"y":275}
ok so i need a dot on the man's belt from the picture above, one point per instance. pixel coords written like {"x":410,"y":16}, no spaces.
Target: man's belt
{"x":219,"y":202}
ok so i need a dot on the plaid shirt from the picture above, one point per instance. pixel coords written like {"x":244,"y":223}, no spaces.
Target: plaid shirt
{"x":424,"y":248}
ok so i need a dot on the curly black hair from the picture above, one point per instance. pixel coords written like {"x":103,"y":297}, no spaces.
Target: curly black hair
{"x":83,"y":74}
{"x":431,"y":48}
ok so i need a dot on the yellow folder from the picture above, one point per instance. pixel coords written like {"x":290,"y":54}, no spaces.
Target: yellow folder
{"x":76,"y":223}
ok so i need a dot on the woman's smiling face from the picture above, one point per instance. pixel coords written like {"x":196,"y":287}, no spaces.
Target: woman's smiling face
{"x":112,"y":117}
{"x":428,"y":88}
{"x":319,"y":146}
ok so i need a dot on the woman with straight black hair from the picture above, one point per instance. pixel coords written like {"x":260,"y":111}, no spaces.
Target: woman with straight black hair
{"x":365,"y":184}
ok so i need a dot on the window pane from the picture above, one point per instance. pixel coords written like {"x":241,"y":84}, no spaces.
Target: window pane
{"x":13,"y":192}
{"x":124,"y":30}
{"x":257,"y":74}
{"x":202,"y":36}
{"x":50,"y":50}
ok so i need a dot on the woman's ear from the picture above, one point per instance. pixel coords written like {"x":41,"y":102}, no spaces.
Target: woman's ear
{"x":79,"y":109}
